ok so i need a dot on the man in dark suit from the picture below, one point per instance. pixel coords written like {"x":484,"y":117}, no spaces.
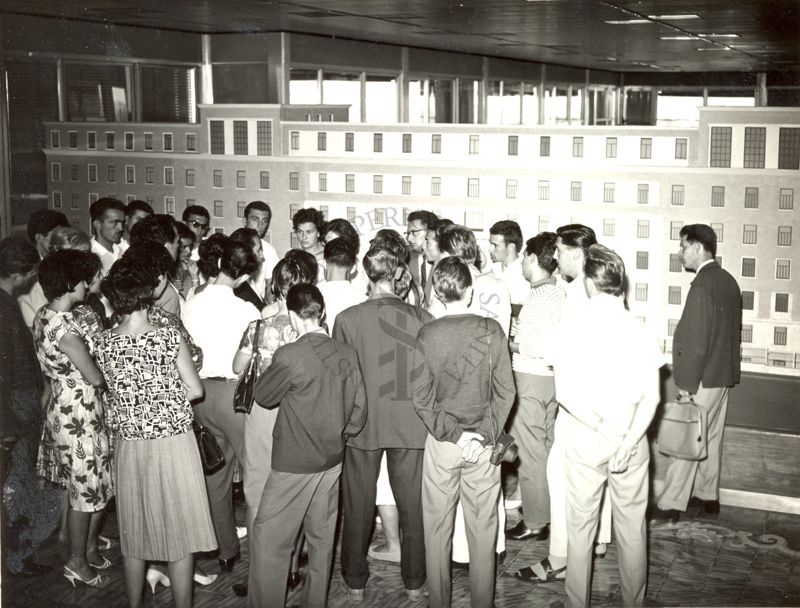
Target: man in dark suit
{"x":418,"y":224}
{"x":706,"y":364}
{"x":317,"y":383}
{"x":383,"y":330}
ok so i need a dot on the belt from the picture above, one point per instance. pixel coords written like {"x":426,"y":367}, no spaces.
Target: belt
{"x":598,"y":425}
{"x":221,"y":379}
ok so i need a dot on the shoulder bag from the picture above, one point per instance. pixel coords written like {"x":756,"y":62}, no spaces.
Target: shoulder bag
{"x":243,"y":396}
{"x":683,"y":430}
{"x":211,"y":455}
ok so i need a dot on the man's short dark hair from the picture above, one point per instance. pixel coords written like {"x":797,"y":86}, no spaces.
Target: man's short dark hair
{"x":43,"y":221}
{"x":703,"y":234}
{"x":345,"y":230}
{"x":61,"y":271}
{"x":257,"y":206}
{"x":510,"y":231}
{"x":195,"y":210}
{"x":428,"y":218}
{"x":380,"y":264}
{"x":17,"y":256}
{"x":305,"y":301}
{"x":159,"y":227}
{"x":543,"y":246}
{"x":391,"y":239}
{"x":138,"y":205}
{"x":339,"y":252}
{"x":129,"y":285}
{"x":577,"y":235}
{"x":246,"y":236}
{"x":606,"y":270}
{"x":287,"y":273}
{"x":459,"y":241}
{"x":101,"y":205}
{"x":451,"y":278}
{"x":309,"y":215}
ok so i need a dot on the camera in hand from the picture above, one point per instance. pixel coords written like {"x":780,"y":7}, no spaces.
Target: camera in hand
{"x":504,"y":450}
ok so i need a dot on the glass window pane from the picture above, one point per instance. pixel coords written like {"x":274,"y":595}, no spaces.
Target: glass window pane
{"x":95,"y":92}
{"x":303,"y":87}
{"x":440,"y":101}
{"x":167,"y":93}
{"x":381,"y":101}
{"x":343,"y":88}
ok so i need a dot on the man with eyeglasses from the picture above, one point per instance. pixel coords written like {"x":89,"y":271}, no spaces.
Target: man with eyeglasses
{"x":418,"y":223}
{"x":198,"y":219}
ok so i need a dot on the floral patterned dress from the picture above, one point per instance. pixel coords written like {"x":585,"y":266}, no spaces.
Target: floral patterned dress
{"x":74,"y":450}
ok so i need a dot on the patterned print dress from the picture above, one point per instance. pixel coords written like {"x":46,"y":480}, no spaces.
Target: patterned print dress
{"x":74,"y":450}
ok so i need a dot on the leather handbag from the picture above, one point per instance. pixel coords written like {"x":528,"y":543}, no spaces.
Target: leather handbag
{"x":243,"y":395}
{"x":683,"y":431}
{"x":211,"y":455}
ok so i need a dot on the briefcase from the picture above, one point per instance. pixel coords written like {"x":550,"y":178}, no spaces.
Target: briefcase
{"x":683,"y":431}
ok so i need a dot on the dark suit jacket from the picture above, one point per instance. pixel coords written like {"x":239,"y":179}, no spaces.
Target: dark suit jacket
{"x":317,"y":383}
{"x":246,"y":292}
{"x":383,"y":330}
{"x":706,"y":344}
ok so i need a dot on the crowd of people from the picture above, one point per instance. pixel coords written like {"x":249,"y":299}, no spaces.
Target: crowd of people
{"x":397,"y":372}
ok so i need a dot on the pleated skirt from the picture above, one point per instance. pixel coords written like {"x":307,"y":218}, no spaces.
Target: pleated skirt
{"x":162,"y":505}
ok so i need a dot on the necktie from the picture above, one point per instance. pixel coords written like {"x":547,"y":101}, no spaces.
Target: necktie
{"x":423,"y":271}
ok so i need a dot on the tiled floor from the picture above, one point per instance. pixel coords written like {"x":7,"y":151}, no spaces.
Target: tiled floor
{"x":740,"y":558}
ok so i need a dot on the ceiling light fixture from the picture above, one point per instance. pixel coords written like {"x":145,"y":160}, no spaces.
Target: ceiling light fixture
{"x":678,"y":37}
{"x":709,"y":49}
{"x":718,"y":35}
{"x":628,"y":21}
{"x":674,"y":17}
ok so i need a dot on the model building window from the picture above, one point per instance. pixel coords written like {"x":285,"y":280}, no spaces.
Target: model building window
{"x":75,"y":203}
{"x":783,"y":269}
{"x":646,"y":148}
{"x":641,"y":292}
{"x":264,"y":137}
{"x":148,"y":141}
{"x":377,"y":184}
{"x":406,"y":143}
{"x":511,"y":188}
{"x":544,"y":190}
{"x":748,"y":267}
{"x":294,"y":137}
{"x":751,"y":198}
{"x":755,"y":145}
{"x":577,"y":147}
{"x":110,"y":143}
{"x":513,"y":145}
{"x":609,"y":226}
{"x":73,"y":173}
{"x":575,"y":191}
{"x":718,"y":230}
{"x":240,"y":144}
{"x":111,"y":174}
{"x":55,"y":139}
{"x":780,"y":336}
{"x":190,"y":178}
{"x":191,"y":142}
{"x":322,"y":182}
{"x":406,"y":185}
{"x":264,"y":180}
{"x":611,"y":147}
{"x":55,"y":171}
{"x":72,"y":137}
{"x":217,"y":136}
{"x":217,"y":178}
{"x":240,"y":207}
{"x":436,"y":186}
{"x":608,"y":192}
{"x":349,"y":142}
{"x":436,"y":143}
{"x":642,"y":260}
{"x":379,"y":216}
{"x":674,"y":295}
{"x":720,"y":147}
{"x":747,"y":333}
{"x":322,"y":141}
{"x":748,"y":300}
{"x":169,"y":176}
{"x":218,"y":209}
{"x":786,"y":198}
{"x":681,"y":147}
{"x":785,"y":236}
{"x":294,"y":180}
{"x":149,"y":175}
{"x":56,"y":199}
{"x":643,"y":194}
{"x":350,"y":182}
{"x":789,"y":148}
{"x":377,"y":142}
{"x":749,"y":234}
{"x":781,"y":302}
{"x":675,"y":230}
{"x":643,"y":229}
{"x":544,"y":145}
{"x":474,"y":144}
{"x":93,"y":196}
{"x":717,"y":196}
{"x":128,"y":140}
{"x":473,"y":187}
{"x":91,"y":140}
{"x":544,"y":223}
{"x":672,"y":325}
{"x":675,"y":263}
{"x":351,"y":214}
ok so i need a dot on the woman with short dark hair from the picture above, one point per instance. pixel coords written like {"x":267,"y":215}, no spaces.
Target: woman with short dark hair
{"x":74,"y":450}
{"x":161,"y":501}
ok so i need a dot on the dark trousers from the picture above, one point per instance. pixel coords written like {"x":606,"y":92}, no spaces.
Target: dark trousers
{"x":359,"y":477}
{"x":216,"y":413}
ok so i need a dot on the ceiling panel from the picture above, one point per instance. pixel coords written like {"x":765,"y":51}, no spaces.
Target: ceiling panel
{"x":570,"y":32}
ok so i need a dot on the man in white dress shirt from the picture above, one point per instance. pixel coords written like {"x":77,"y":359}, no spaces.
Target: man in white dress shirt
{"x":134,"y":212}
{"x":258,"y":215}
{"x":608,"y":390}
{"x":108,"y":222}
{"x":337,"y":290}
{"x":418,"y":223}
{"x":505,"y":244}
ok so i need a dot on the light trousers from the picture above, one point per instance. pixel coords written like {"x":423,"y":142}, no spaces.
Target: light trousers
{"x":446,"y":477}
{"x":257,"y":463}
{"x":687,"y":478}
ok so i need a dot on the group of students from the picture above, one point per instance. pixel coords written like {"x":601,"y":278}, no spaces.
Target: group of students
{"x":401,"y":370}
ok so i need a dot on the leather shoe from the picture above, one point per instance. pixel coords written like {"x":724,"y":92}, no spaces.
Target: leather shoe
{"x":500,"y":558}
{"x":416,"y":595}
{"x":226,"y":565}
{"x":660,"y":516}
{"x":523,"y":532}
{"x":711,"y":507}
{"x":353,"y":593}
{"x":240,"y":589}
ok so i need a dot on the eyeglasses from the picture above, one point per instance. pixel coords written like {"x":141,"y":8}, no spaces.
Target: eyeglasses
{"x":197,"y":225}
{"x":410,"y":232}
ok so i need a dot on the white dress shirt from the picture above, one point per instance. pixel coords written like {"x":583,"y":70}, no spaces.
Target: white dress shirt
{"x":338,"y":296}
{"x":511,"y":275}
{"x":271,"y":258}
{"x":107,"y":258}
{"x":31,"y":302}
{"x":216,"y":320}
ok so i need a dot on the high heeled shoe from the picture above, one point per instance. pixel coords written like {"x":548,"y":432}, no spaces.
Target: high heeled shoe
{"x":156,"y":576}
{"x":98,"y":582}
{"x":201,"y":578}
{"x":106,"y":563}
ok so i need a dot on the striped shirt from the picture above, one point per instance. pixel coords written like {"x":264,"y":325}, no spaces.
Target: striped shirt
{"x":538,"y":321}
